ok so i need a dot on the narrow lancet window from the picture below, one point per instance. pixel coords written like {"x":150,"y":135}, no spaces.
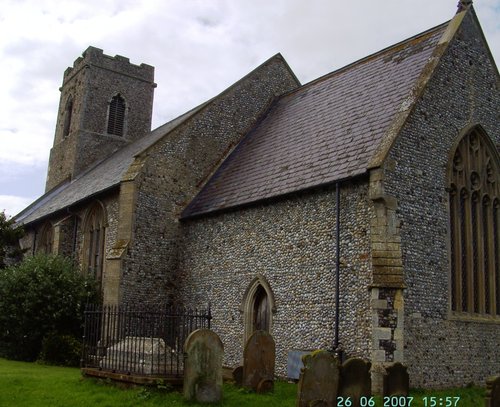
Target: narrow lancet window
{"x":68,"y":111}
{"x":486,"y":253}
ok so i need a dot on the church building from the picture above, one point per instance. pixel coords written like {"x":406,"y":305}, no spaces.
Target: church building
{"x":359,"y":211}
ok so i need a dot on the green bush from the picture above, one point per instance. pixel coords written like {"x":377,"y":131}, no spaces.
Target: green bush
{"x":62,"y":350}
{"x":42,"y":296}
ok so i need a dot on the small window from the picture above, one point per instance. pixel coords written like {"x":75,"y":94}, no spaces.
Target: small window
{"x":68,"y":111}
{"x":473,"y":201}
{"x":116,"y":116}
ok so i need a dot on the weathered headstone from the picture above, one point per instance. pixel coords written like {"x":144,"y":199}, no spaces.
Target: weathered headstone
{"x":258,"y":362}
{"x":238,"y":375}
{"x":355,"y":380}
{"x":203,"y":351}
{"x":492,"y":398}
{"x":319,"y":380}
{"x":136,"y":355}
{"x":396,"y":381}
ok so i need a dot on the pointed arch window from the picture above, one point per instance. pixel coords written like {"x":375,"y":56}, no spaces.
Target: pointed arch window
{"x":116,"y":115}
{"x":474,"y":185}
{"x":94,"y":238}
{"x":45,"y":239}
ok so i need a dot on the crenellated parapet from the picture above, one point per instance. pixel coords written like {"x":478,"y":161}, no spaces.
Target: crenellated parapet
{"x":93,"y":56}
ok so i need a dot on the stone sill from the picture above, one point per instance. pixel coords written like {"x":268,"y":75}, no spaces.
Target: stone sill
{"x":474,"y":318}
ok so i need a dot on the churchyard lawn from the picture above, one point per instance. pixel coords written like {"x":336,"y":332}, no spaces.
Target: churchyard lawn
{"x":30,"y":384}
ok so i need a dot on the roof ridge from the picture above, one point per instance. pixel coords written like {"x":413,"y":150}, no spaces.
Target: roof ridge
{"x":419,"y":86}
{"x":367,"y":58}
{"x":203,"y":105}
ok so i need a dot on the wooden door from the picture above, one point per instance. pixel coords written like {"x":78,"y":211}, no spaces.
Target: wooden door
{"x":261,"y":310}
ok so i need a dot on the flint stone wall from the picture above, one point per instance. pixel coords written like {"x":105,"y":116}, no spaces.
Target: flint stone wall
{"x":442,"y":350}
{"x":175,"y":168}
{"x":291,"y":242}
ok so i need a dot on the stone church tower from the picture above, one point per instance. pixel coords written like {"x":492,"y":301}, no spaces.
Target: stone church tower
{"x":106,"y":102}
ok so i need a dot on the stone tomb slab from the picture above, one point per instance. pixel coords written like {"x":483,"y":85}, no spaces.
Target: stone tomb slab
{"x":319,"y":380}
{"x":203,"y":352}
{"x":258,"y":362}
{"x":396,"y":380}
{"x":136,"y":354}
{"x":355,"y":380}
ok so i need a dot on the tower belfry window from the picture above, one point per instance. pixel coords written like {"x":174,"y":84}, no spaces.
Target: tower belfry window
{"x":116,"y":116}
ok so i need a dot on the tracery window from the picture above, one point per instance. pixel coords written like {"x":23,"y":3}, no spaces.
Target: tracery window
{"x":474,"y":185}
{"x":45,"y":239}
{"x":94,"y":237}
{"x":116,"y":116}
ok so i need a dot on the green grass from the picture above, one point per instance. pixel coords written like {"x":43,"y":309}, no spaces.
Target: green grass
{"x":34,"y":385}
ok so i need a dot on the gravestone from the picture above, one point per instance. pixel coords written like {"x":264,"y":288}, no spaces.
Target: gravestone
{"x":258,"y":362}
{"x":294,"y":363}
{"x":319,"y":380}
{"x":238,"y":376}
{"x":492,"y":398}
{"x":203,"y":352}
{"x":136,"y":355}
{"x":396,"y":381}
{"x":355,"y":380}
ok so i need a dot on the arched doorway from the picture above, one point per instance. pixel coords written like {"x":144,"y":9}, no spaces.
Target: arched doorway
{"x":257,"y":307}
{"x":260,"y":310}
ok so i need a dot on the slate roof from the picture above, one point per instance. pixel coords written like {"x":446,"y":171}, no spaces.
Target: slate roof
{"x":325,"y":131}
{"x":101,"y":177}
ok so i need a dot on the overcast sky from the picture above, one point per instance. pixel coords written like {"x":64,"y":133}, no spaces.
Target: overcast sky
{"x":198,"y":48}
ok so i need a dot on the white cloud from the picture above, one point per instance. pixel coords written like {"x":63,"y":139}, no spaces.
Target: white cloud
{"x":12,"y":205}
{"x":198,"y":48}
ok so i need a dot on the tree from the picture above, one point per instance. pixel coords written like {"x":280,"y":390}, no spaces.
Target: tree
{"x":9,"y":240}
{"x":41,"y":299}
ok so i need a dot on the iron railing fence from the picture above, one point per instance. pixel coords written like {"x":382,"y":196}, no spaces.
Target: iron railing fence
{"x":139,"y":341}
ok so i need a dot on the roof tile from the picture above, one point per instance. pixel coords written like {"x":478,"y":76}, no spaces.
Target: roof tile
{"x":325,"y":131}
